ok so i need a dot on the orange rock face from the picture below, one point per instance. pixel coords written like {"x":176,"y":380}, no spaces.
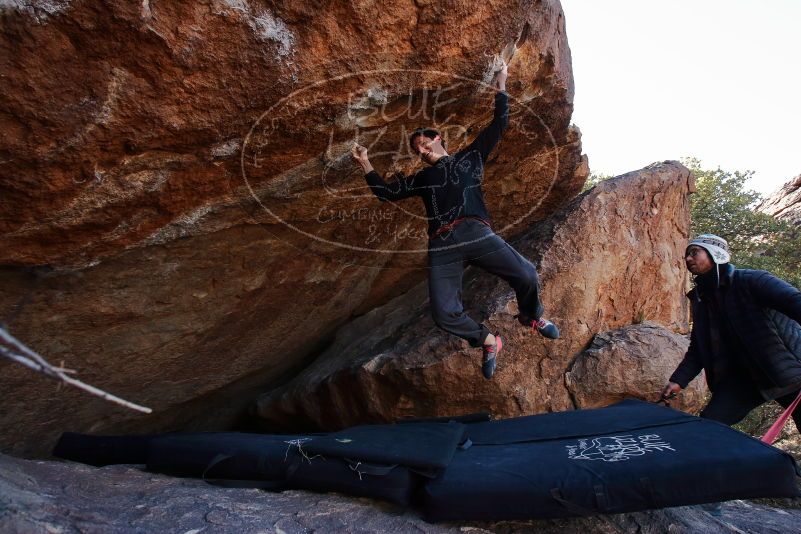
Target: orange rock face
{"x":127,"y":126}
{"x":611,"y":258}
{"x":180,"y":221}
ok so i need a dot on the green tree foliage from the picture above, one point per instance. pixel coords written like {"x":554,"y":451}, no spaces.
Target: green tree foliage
{"x":723,"y":206}
{"x":593,"y":179}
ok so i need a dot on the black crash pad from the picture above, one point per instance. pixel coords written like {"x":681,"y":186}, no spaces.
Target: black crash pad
{"x":622,"y":458}
{"x":627,"y":457}
{"x":388,"y":462}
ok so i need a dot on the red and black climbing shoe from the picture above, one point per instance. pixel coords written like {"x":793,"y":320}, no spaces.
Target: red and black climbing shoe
{"x":546,"y":328}
{"x":490,"y":360}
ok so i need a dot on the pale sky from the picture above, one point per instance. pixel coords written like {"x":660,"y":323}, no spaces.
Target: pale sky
{"x":716,"y":79}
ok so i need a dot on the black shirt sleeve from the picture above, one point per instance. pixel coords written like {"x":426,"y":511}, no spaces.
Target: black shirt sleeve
{"x":390,"y":191}
{"x":690,"y":366}
{"x":489,"y":136}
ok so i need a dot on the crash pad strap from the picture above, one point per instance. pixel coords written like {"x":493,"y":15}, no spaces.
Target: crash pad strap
{"x":364,"y":468}
{"x":234,"y":483}
{"x":648,"y":490}
{"x":573,"y":508}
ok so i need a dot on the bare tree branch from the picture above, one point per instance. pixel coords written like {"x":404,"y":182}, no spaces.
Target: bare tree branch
{"x":16,"y":351}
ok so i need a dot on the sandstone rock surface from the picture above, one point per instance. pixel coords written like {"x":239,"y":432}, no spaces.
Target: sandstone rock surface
{"x":64,"y":497}
{"x":136,"y":138}
{"x":611,"y":258}
{"x":785,"y":203}
{"x":179,"y":218}
{"x":634,"y":361}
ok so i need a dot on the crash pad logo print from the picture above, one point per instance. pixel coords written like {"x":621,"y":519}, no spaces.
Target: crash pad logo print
{"x":617,"y":448}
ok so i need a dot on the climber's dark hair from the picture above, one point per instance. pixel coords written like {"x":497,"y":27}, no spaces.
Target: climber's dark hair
{"x":425,"y":132}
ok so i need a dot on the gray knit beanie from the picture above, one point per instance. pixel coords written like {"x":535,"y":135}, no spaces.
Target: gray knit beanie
{"x":717,"y":247}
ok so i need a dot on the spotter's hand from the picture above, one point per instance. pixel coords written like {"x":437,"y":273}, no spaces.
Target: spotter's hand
{"x":671,"y":390}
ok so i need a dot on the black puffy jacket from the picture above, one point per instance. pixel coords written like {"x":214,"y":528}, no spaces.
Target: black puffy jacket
{"x":763,"y":313}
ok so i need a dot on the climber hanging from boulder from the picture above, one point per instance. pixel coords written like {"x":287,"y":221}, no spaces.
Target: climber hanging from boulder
{"x":459,"y":229}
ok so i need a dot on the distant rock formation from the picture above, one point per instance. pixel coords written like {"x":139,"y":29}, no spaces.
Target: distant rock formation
{"x":611,"y":258}
{"x":785,"y":203}
{"x":180,"y":220}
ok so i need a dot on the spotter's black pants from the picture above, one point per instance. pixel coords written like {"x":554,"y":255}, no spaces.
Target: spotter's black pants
{"x":734,"y":397}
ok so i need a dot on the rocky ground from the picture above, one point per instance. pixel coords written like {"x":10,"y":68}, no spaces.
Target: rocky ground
{"x":47,"y":496}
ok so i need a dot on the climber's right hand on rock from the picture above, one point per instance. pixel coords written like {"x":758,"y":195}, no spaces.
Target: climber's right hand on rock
{"x":359,"y":153}
{"x":499,"y":82}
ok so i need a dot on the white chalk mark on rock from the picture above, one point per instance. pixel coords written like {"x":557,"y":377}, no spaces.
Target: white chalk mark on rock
{"x":40,"y":10}
{"x":265,"y":26}
{"x":226,"y":148}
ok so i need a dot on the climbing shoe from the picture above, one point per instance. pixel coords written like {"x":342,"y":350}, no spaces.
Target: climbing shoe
{"x":546,"y":328}
{"x":491,"y":357}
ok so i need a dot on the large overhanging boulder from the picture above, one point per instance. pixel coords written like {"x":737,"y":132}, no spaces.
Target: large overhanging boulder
{"x":129,"y":125}
{"x":611,"y":258}
{"x":180,"y":221}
